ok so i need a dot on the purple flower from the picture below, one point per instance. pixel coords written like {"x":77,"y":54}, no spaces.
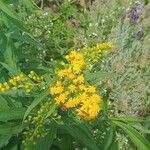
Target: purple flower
{"x":135,"y":14}
{"x":140,"y":34}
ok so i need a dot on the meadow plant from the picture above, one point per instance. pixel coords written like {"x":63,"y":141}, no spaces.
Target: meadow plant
{"x":70,"y":91}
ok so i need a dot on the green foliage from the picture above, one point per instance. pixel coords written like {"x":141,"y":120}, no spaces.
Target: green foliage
{"x":45,"y":143}
{"x":109,"y":139}
{"x":6,"y":9}
{"x":55,"y":31}
{"x":139,"y":141}
{"x":35,"y":102}
{"x":12,"y":114}
{"x":83,"y":133}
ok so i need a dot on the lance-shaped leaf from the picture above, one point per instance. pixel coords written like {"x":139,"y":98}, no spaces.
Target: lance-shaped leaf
{"x":83,"y":133}
{"x":36,"y":101}
{"x":134,"y":135}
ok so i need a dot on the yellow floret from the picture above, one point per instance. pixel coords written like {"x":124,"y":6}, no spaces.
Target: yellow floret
{"x":32,"y":72}
{"x":72,"y":88}
{"x":58,"y":83}
{"x":80,"y":79}
{"x":91,"y":89}
{"x":61,"y":73}
{"x":82,"y":87}
{"x":2,"y":89}
{"x":60,"y":100}
{"x":95,"y":98}
{"x":56,"y":90}
{"x":72,"y":103}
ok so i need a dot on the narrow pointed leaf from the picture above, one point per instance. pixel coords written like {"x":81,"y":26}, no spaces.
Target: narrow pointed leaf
{"x":109,"y":138}
{"x":137,"y":139}
{"x":83,"y":133}
{"x":6,"y":9}
{"x":36,"y":101}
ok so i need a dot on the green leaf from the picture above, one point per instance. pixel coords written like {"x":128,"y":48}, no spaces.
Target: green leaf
{"x":4,"y":139}
{"x":109,"y":138}
{"x":127,"y":119}
{"x":114,"y":145}
{"x":10,"y":57}
{"x":12,"y":114}
{"x":12,"y":24}
{"x":53,"y":107}
{"x":84,"y":20}
{"x":8,"y":10}
{"x":10,"y":18}
{"x":11,"y":128}
{"x":83,"y":133}
{"x":65,"y":142}
{"x":3,"y":104}
{"x":98,"y":75}
{"x":15,"y":148}
{"x":13,"y":142}
{"x":36,"y":101}
{"x":29,"y":4}
{"x":3,"y":43}
{"x":138,"y":140}
{"x":8,"y":68}
{"x":140,"y":128}
{"x":16,"y":35}
{"x":104,"y":107}
{"x":46,"y":142}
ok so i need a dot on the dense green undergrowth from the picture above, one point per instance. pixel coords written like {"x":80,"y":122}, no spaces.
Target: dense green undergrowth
{"x":41,"y":40}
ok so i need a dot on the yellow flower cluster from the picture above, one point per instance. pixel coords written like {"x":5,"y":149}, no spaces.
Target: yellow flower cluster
{"x":76,"y":63}
{"x":70,"y":91}
{"x":32,"y":75}
{"x":14,"y":83}
{"x":20,"y":82}
{"x":38,"y":121}
{"x":92,"y":54}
